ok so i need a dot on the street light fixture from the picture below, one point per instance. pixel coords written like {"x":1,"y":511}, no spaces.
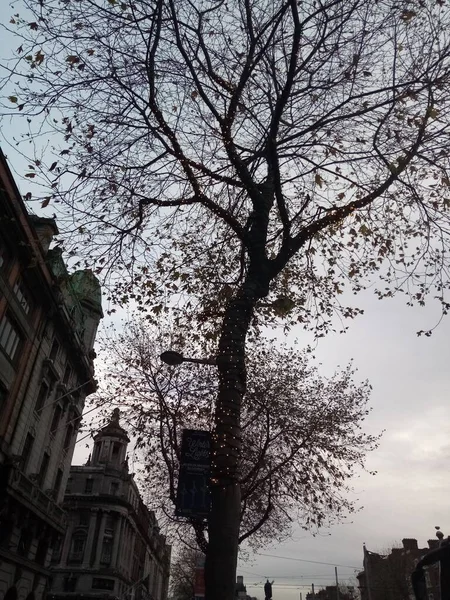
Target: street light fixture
{"x":172,"y":358}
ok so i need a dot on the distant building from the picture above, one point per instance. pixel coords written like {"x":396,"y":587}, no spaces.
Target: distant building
{"x":113,"y":547}
{"x":388,"y":577}
{"x":48,"y":323}
{"x":346,"y":592}
{"x":241,"y":590}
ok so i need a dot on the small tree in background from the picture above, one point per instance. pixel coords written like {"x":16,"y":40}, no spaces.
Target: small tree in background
{"x":301,"y":432}
{"x":182,"y":573}
{"x":245,"y":161}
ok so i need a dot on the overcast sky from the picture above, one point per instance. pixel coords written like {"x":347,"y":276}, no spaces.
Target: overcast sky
{"x":409,"y":496}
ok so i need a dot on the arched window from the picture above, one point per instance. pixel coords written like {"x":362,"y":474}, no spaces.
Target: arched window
{"x":77,"y":548}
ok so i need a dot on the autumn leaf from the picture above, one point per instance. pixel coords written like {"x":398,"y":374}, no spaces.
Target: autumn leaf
{"x":72,"y":59}
{"x":53,"y":165}
{"x":433,"y":113}
{"x":319,"y":180}
{"x":33,"y":26}
{"x":407,"y":15}
{"x":39,"y":57}
{"x":30,"y":175}
{"x":45,"y":202}
{"x":364,"y":230}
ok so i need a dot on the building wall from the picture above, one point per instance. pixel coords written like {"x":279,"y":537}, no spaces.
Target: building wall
{"x":112,"y":547}
{"x":388,"y":577}
{"x":37,"y":431}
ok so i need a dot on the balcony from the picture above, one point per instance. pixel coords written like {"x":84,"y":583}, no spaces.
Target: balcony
{"x":41,"y":502}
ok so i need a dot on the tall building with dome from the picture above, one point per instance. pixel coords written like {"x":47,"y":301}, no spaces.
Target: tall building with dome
{"x":113,"y":547}
{"x":48,"y":324}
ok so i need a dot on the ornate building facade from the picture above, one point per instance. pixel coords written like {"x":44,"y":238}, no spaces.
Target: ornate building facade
{"x":48,"y":323}
{"x":113,"y":547}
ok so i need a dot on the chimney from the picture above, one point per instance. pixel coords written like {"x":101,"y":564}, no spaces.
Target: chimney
{"x":410,"y":544}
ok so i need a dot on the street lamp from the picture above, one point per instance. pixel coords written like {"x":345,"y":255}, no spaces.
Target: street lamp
{"x":172,"y":358}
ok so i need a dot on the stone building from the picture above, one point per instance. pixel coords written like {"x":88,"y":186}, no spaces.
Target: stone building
{"x":329,"y":592}
{"x":48,"y":322}
{"x":388,"y":576}
{"x":113,"y":547}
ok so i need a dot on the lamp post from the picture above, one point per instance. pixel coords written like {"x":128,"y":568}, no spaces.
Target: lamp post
{"x":172,"y":358}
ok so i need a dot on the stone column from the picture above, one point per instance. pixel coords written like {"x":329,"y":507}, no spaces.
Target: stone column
{"x":101,"y":535}
{"x":66,"y":544}
{"x":121,"y":559}
{"x":117,"y":538}
{"x":90,"y":538}
{"x":132,"y":544}
{"x":128,"y":560}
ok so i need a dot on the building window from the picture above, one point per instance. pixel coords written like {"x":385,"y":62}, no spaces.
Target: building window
{"x":109,"y":525}
{"x":6,"y":529}
{"x":41,"y":552}
{"x":55,"y":420}
{"x":4,"y":257}
{"x":106,"y":550}
{"x":114,"y":489}
{"x":42,"y":396}
{"x":115,"y":450}
{"x":9,"y":337}
{"x":58,"y":480}
{"x":24,"y":544}
{"x":56,"y":550}
{"x":3,"y":395}
{"x":54,"y":350}
{"x":68,"y":437}
{"x":77,"y":552}
{"x":43,"y":469}
{"x":70,"y":584}
{"x":67,"y":374}
{"x":26,"y":451}
{"x":22,"y":297}
{"x":69,"y":485}
{"x":102,"y":584}
{"x":88,"y":486}
{"x":78,"y":545}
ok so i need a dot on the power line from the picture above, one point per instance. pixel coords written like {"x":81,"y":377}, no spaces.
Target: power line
{"x":315,"y":562}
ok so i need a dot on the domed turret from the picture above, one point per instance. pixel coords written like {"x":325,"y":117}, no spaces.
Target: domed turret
{"x":110,"y":444}
{"x":88,"y":291}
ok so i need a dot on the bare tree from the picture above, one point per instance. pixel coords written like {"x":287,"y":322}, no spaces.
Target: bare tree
{"x":246,"y":159}
{"x":182,"y":573}
{"x":301,"y":433}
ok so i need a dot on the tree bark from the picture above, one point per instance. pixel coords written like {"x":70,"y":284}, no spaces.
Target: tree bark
{"x":224,"y":519}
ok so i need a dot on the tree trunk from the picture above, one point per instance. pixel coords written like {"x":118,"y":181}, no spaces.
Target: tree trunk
{"x":224,"y":519}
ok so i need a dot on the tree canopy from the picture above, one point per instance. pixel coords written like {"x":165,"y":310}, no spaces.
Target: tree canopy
{"x":302,"y":433}
{"x":201,"y":141}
